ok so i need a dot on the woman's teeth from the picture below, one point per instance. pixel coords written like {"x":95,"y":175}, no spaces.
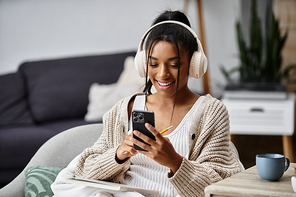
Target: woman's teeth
{"x":164,"y":84}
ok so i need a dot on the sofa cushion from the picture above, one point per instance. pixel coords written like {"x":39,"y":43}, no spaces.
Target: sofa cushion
{"x":103,"y":97}
{"x":13,"y":106}
{"x":19,"y":144}
{"x":59,"y":88}
{"x":62,"y":125}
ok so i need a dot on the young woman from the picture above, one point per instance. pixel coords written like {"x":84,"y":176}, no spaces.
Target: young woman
{"x":185,"y":159}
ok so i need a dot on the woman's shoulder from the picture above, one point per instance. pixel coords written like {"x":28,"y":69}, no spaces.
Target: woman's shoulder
{"x":210,"y":100}
{"x":212,"y":104}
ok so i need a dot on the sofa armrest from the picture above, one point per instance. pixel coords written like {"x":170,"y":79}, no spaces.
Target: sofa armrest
{"x":56,"y":152}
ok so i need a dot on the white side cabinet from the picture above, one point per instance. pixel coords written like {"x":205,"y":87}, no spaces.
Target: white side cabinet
{"x":263,"y":117}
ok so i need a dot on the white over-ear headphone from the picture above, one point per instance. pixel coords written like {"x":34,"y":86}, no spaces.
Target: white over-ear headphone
{"x":198,"y":63}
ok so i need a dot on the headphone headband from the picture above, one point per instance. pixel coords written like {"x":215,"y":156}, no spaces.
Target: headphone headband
{"x":198,"y":62}
{"x":140,"y":48}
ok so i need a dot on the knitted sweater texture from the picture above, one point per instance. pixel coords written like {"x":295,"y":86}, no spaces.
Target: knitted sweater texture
{"x":211,"y":157}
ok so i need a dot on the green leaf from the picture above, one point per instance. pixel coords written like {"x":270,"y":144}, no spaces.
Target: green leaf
{"x":255,"y":33}
{"x":261,"y":59}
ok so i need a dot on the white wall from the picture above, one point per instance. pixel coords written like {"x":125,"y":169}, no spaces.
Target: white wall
{"x":42,"y":29}
{"x":219,"y":19}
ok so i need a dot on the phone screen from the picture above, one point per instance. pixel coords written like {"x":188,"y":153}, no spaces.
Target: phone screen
{"x":139,"y":119}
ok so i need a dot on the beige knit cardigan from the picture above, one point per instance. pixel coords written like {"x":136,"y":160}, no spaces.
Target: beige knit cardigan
{"x":211,"y":157}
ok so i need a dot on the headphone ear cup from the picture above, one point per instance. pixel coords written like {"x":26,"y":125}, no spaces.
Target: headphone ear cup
{"x":198,"y":65}
{"x":140,"y":63}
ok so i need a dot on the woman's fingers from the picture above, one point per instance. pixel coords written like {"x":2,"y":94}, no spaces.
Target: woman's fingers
{"x":126,"y":149}
{"x":152,"y":130}
{"x":145,"y":138}
{"x":158,"y":137}
{"x":160,"y":150}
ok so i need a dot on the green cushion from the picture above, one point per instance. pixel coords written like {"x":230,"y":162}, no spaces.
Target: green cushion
{"x":39,"y":179}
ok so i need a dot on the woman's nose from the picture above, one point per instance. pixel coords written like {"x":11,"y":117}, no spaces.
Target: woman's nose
{"x":163,"y":71}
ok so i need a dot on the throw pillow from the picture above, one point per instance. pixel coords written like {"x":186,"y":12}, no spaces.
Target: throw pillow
{"x":39,"y":180}
{"x":129,"y":75}
{"x":103,"y":97}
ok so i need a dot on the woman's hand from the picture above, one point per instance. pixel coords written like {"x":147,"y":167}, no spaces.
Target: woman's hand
{"x":161,"y":150}
{"x":126,"y":149}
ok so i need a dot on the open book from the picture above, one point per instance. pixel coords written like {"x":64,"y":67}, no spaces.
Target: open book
{"x":109,"y":186}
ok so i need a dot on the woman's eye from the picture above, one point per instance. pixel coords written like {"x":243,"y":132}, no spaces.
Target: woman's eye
{"x":153,"y":65}
{"x":174,"y":65}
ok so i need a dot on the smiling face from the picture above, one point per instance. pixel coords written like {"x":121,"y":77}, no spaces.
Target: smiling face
{"x":163,"y":68}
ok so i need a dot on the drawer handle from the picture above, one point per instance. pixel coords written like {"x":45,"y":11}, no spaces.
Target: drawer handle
{"x":257,"y":110}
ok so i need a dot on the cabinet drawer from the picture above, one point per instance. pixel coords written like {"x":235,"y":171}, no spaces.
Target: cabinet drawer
{"x":260,"y":118}
{"x":257,"y":117}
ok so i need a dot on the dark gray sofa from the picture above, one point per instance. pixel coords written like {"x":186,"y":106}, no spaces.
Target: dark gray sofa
{"x":44,"y":98}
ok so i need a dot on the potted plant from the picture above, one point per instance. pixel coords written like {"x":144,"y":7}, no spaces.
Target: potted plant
{"x":260,"y":60}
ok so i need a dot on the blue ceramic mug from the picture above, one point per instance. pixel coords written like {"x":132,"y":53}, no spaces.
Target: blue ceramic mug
{"x":271,"y":166}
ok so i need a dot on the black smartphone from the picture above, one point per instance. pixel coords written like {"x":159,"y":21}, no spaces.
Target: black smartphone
{"x":139,"y":119}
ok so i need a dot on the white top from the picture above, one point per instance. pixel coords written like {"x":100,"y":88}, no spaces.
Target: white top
{"x":146,"y":173}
